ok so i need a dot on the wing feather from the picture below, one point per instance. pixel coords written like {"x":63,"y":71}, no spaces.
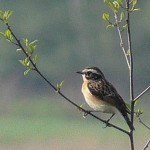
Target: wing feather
{"x":106,"y":92}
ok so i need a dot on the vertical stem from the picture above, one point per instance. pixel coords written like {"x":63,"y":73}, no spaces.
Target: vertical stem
{"x":130,"y":71}
{"x":121,"y":39}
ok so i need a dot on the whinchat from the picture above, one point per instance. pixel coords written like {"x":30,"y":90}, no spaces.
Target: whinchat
{"x":101,"y":95}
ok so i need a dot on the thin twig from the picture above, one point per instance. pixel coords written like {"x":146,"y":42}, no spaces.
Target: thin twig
{"x":146,"y":145}
{"x":142,"y":93}
{"x":59,"y":92}
{"x":121,"y":39}
{"x":143,"y":123}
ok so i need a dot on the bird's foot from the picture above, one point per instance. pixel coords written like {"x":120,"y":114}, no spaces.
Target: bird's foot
{"x":107,"y":121}
{"x":85,"y":113}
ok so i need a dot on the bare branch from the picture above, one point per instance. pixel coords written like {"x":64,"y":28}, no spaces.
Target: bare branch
{"x":143,"y":123}
{"x":121,"y":40}
{"x":142,"y":93}
{"x":146,"y":145}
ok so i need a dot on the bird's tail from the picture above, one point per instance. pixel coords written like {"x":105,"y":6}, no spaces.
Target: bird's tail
{"x":126,"y":117}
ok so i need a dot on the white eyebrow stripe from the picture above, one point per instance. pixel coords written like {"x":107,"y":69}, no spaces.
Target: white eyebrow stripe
{"x":92,"y":70}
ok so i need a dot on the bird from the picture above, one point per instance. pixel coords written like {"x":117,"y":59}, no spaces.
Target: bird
{"x":101,"y":95}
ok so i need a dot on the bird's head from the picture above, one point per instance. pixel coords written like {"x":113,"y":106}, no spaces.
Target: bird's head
{"x":91,"y":73}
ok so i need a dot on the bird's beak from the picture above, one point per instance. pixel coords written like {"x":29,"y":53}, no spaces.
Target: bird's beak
{"x":79,"y":72}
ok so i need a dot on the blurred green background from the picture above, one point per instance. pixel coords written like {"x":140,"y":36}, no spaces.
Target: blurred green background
{"x":71,"y":35}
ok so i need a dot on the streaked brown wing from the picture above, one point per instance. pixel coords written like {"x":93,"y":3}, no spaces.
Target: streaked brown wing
{"x":105,"y":91}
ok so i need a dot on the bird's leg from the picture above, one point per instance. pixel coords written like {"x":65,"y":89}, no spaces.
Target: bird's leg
{"x":107,"y":121}
{"x":87,"y":112}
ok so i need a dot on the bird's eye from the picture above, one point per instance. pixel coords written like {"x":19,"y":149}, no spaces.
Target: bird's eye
{"x":89,"y":73}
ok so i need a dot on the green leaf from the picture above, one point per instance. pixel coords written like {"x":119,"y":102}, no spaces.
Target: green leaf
{"x":26,"y":42}
{"x":105,"y":17}
{"x":22,"y":62}
{"x":8,"y":35}
{"x":124,"y":27}
{"x":1,"y":14}
{"x":25,"y":62}
{"x":136,"y":9}
{"x":28,"y":64}
{"x":110,"y":26}
{"x":59,"y":86}
{"x":81,"y":106}
{"x":139,"y":112}
{"x":134,"y":3}
{"x":121,"y":16}
{"x":27,"y":71}
{"x":2,"y":34}
{"x":18,"y":49}
{"x":35,"y":59}
{"x":32,"y":46}
{"x":113,"y":5}
{"x":6,"y":15}
{"x":120,"y":2}
{"x":128,"y":52}
{"x":116,"y":5}
{"x":33,"y":43}
{"x":136,"y":103}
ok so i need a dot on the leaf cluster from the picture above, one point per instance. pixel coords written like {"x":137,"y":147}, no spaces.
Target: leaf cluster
{"x":5,"y":15}
{"x":60,"y":85}
{"x":30,"y":58}
{"x":28,"y":47}
{"x":119,"y":9}
{"x":7,"y":34}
